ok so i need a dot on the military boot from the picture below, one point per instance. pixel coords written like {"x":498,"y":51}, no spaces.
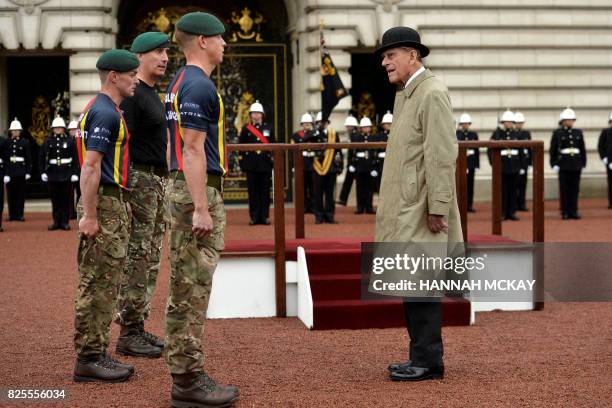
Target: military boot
{"x":118,"y":363}
{"x":198,"y":390}
{"x":150,"y":337}
{"x":100,"y":369}
{"x":132,"y":343}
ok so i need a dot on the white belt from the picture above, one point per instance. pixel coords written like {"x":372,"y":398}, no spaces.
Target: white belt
{"x":471,"y":152}
{"x":62,"y":161}
{"x":570,"y":150}
{"x":510,"y":152}
{"x":16,"y":159}
{"x":360,"y":154}
{"x":381,"y":155}
{"x":308,"y":154}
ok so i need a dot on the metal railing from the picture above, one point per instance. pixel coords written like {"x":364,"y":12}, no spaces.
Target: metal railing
{"x":278,"y":150}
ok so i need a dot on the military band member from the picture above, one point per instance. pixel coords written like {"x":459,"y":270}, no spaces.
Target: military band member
{"x":327,"y":165}
{"x":361,"y":165}
{"x":145,"y":116}
{"x":306,"y":135}
{"x":473,"y":156}
{"x":568,"y":158}
{"x":519,"y":123}
{"x":603,"y":146}
{"x":378,"y":159}
{"x":351,"y":125}
{"x":18,"y":166}
{"x":103,"y":217}
{"x":196,"y":119}
{"x":59,"y":168}
{"x":257,"y":165}
{"x":512,"y":162}
{"x":75,"y":188}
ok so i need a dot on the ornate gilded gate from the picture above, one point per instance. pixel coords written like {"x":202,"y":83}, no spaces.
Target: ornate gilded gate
{"x":255,"y":67}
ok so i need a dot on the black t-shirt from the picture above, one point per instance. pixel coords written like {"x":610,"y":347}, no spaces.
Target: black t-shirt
{"x":145,"y":116}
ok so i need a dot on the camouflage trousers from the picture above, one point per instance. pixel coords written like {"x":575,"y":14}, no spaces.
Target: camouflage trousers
{"x":100,"y":263}
{"x":192,"y":264}
{"x":147,"y":229}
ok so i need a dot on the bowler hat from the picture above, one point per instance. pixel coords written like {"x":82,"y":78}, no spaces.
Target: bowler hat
{"x":402,"y":37}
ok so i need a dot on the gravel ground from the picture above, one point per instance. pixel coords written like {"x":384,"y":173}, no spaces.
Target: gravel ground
{"x":561,"y":356}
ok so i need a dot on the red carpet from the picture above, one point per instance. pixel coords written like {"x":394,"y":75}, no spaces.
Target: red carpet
{"x":335,"y":281}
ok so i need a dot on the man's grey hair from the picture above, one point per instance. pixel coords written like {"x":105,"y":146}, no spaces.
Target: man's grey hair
{"x":418,"y":53}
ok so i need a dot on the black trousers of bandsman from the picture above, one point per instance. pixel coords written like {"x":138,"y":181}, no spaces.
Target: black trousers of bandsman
{"x":609,"y":186}
{"x":347,"y":184}
{"x":59,"y":191}
{"x":309,"y":191}
{"x":259,"y":185}
{"x":15,"y":191}
{"x":569,"y":186}
{"x":325,"y":205}
{"x":1,"y":200}
{"x":521,"y":201}
{"x":75,"y":195}
{"x":470,"y":188}
{"x":509,"y":190}
{"x":365,"y":189}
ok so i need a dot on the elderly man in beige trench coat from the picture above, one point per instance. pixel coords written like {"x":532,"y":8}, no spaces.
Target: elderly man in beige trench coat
{"x":417,"y":195}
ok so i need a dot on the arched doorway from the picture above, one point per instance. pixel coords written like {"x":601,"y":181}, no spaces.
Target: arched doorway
{"x":255,"y":65}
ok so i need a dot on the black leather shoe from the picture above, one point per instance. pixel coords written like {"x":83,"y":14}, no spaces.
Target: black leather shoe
{"x":471,"y":210}
{"x":564,"y":217}
{"x":331,"y":221}
{"x":358,"y":212}
{"x":340,"y":202}
{"x":413,"y":373}
{"x":370,"y":212}
{"x":523,"y":209}
{"x":266,"y":222}
{"x":65,"y":227}
{"x":252,"y":222}
{"x":318,"y":221}
{"x":512,"y":218}
{"x":53,"y":227}
{"x":575,"y":216}
{"x":399,"y":366}
{"x":22,"y":219}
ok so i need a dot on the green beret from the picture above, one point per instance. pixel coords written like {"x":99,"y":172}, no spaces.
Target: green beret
{"x":146,"y":42}
{"x":117,"y":60}
{"x":200,"y":23}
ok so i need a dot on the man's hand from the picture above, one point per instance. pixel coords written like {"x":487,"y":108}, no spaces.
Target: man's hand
{"x":27,"y":177}
{"x":89,"y":227}
{"x":7,"y":179}
{"x":436,"y":223}
{"x":202,"y":223}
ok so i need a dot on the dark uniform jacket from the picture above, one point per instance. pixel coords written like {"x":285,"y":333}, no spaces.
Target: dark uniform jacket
{"x":473,"y":155}
{"x":512,"y":159}
{"x":3,"y":145}
{"x":58,"y":158}
{"x":256,"y":161}
{"x":362,"y":158}
{"x":378,"y":158}
{"x":567,"y":149}
{"x":302,"y":136}
{"x":337,"y":164}
{"x":17,"y":157}
{"x":603,"y":145}
{"x":527,"y":157}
